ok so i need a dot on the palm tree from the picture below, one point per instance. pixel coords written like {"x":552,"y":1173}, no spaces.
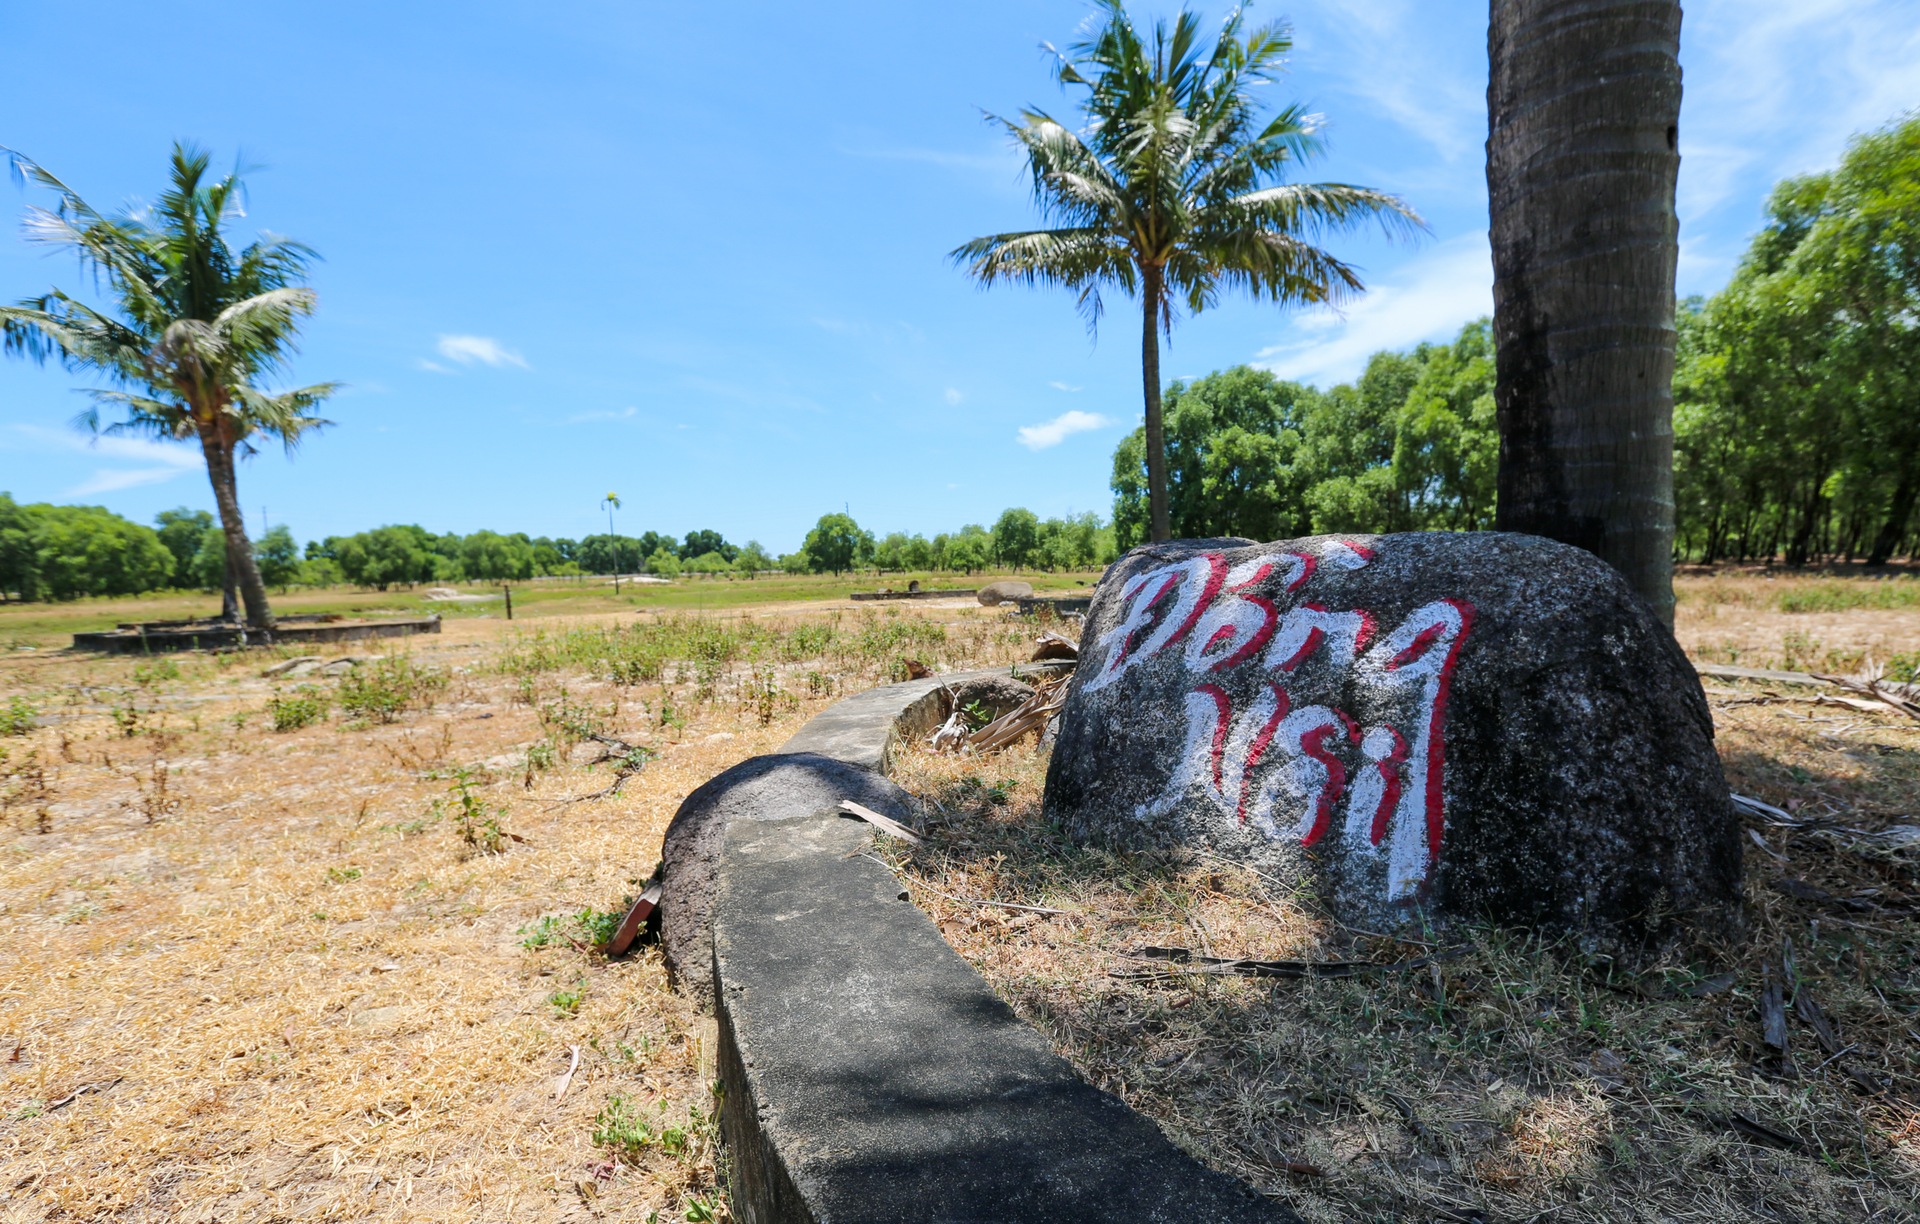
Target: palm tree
{"x":195,"y":325}
{"x":1583,"y":113}
{"x":1172,"y":190}
{"x":610,"y":503}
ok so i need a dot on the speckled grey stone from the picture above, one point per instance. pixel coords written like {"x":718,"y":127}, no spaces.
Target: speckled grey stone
{"x":1412,"y":726}
{"x":774,"y":787}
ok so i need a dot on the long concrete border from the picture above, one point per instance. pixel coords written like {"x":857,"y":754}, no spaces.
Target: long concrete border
{"x":872,"y":1075}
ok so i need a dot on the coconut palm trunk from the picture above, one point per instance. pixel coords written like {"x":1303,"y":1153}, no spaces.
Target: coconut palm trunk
{"x":218,"y":450}
{"x":1583,"y":106}
{"x":1159,"y":525}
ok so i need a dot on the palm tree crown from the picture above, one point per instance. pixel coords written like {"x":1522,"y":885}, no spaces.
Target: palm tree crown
{"x":1172,"y":191}
{"x":196,"y":325}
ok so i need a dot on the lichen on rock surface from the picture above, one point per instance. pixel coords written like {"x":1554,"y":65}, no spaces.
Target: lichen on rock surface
{"x":1413,"y":726}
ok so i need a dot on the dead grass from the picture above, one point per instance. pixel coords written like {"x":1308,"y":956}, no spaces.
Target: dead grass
{"x":284,"y":987}
{"x":1512,"y":1080}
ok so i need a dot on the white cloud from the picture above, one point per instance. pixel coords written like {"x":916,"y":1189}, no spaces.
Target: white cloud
{"x":606,"y":415}
{"x":1060,"y":386}
{"x":431,"y":366}
{"x":1774,"y":88}
{"x":1056,"y":431}
{"x":109,"y":480}
{"x":954,"y":397}
{"x":163,"y":460}
{"x":1427,"y":298}
{"x":1387,"y":54}
{"x":1003,"y":159}
{"x":468,"y":349}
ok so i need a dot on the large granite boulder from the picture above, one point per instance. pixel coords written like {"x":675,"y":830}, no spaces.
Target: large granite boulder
{"x":1412,"y":726}
{"x":779,"y":786}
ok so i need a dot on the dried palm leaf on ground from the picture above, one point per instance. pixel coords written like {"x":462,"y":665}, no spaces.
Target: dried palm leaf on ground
{"x":1894,"y":696}
{"x":1032,"y":714}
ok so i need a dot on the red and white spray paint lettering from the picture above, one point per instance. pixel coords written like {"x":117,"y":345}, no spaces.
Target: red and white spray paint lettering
{"x":1279,"y":767}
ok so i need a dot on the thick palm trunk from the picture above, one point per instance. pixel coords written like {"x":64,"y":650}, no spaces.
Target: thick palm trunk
{"x":229,"y":593}
{"x":253,"y":592}
{"x":1159,"y":526}
{"x":1583,"y":110}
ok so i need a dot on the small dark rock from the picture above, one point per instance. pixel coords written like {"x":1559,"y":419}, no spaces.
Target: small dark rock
{"x":995,"y":593}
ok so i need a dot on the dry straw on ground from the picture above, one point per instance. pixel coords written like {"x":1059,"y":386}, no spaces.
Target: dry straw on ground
{"x":260,"y":975}
{"x":1510,"y":1080}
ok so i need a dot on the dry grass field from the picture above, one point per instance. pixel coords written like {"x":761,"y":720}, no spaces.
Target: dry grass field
{"x":261,"y":974}
{"x":1502,"y":1079}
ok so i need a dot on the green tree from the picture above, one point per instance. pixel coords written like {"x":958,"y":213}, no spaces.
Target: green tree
{"x":1795,"y":432}
{"x":1583,"y":114}
{"x":614,"y":554}
{"x":890,"y":552}
{"x":181,"y":531}
{"x":1172,"y":192}
{"x":836,"y":544}
{"x":967,"y":550}
{"x":1016,"y":537}
{"x":664,"y":563}
{"x":89,"y":550}
{"x":1231,"y":439}
{"x":1446,"y":448}
{"x":19,"y":559}
{"x":209,"y":569}
{"x":387,"y":556}
{"x":196,"y":326}
{"x":916,"y":553}
{"x":751,"y":559}
{"x":278,"y":557}
{"x":700,"y":543}
{"x":489,"y":556}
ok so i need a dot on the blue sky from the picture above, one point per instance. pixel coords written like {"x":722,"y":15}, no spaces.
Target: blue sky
{"x":696,"y":255}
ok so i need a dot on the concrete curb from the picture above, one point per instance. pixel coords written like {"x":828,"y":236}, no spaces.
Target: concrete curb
{"x":872,"y":1075}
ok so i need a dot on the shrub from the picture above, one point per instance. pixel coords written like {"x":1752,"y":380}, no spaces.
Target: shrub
{"x":385,"y":690}
{"x":16,"y":717}
{"x":303,"y":708}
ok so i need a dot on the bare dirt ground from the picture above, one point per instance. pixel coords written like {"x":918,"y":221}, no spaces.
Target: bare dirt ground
{"x":260,"y":975}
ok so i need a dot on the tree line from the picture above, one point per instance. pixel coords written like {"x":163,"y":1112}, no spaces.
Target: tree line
{"x":50,"y":552}
{"x":1796,"y":422}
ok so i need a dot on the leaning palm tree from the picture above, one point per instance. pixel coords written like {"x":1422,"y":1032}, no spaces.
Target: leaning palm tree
{"x":194,"y":327}
{"x":1172,"y":191}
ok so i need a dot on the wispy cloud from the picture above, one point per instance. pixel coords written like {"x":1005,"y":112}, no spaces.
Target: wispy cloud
{"x":1775,"y":87}
{"x":1384,"y":53}
{"x":1060,"y":386}
{"x":954,"y":397}
{"x":1056,"y":431}
{"x":484,"y":349}
{"x":1428,"y":297}
{"x":604,"y":415}
{"x":161,"y":461}
{"x":1005,"y":159}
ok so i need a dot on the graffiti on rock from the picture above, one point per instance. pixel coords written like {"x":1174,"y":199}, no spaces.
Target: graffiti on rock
{"x":1290,"y":769}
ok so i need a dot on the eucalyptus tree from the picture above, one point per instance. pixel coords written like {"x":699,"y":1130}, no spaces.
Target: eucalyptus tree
{"x":194,"y":327}
{"x":1172,"y":190}
{"x":1583,"y":111}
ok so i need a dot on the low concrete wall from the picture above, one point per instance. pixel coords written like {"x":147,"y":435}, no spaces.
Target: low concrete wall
{"x":872,"y":1075}
{"x":154,"y":641}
